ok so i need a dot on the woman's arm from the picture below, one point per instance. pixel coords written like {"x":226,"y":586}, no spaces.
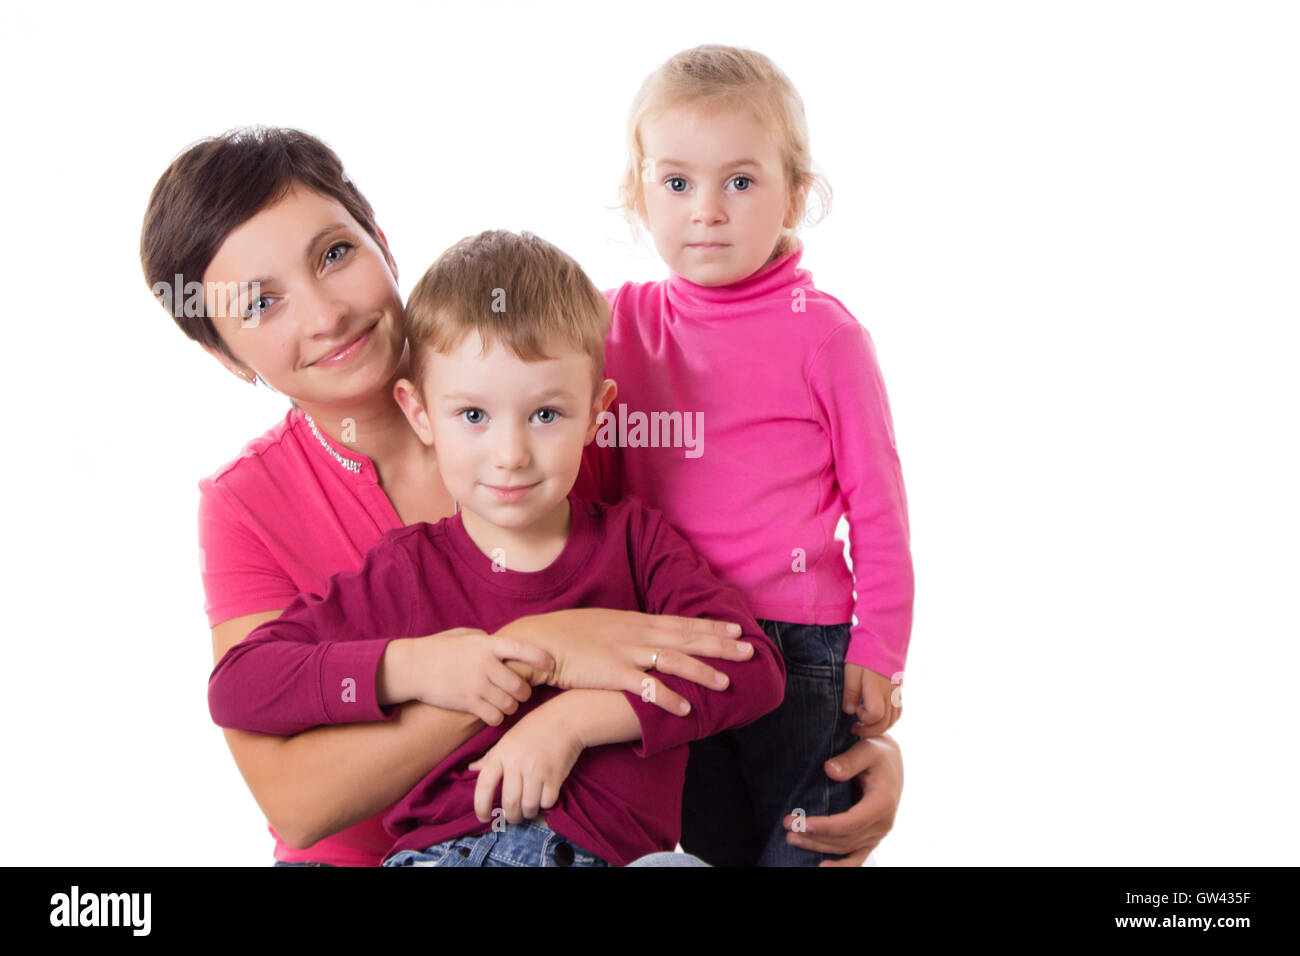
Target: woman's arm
{"x":319,"y":782}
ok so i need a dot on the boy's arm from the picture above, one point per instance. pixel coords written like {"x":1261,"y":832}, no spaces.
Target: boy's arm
{"x":286,"y":677}
{"x":674,"y":579}
{"x":848,"y":395}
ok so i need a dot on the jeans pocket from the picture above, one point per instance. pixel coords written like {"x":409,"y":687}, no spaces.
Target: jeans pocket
{"x":432,"y":856}
{"x":814,"y":648}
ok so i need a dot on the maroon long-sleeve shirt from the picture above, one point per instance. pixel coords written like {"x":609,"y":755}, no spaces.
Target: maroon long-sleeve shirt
{"x":318,"y":664}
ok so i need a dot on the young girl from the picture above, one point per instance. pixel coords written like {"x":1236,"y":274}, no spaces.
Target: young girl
{"x":796,"y":430}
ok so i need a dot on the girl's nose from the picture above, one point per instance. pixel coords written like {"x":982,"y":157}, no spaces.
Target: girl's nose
{"x":708,"y":208}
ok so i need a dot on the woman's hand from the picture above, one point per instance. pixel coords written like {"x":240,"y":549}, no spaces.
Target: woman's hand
{"x":878,"y":765}
{"x":612,"y":650}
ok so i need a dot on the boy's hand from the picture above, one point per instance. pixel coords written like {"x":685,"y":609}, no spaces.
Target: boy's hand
{"x":871,"y":696}
{"x":530,"y":761}
{"x":460,"y":669}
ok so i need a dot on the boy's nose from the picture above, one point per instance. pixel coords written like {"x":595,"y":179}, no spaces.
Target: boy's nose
{"x":510,"y":451}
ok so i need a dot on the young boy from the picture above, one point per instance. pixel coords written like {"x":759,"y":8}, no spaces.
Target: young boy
{"x":507,"y":339}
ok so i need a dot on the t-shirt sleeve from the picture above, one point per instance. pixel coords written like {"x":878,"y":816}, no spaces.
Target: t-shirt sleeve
{"x":240,"y":575}
{"x":318,"y":662}
{"x":676,"y":580}
{"x":848,"y":396}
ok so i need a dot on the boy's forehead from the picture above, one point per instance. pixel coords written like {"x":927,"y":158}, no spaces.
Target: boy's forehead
{"x":471,"y":370}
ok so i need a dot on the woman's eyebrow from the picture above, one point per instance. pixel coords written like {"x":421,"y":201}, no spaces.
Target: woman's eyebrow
{"x":267,"y":280}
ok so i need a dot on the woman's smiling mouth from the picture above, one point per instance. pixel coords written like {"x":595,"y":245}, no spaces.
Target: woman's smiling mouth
{"x":345,"y":353}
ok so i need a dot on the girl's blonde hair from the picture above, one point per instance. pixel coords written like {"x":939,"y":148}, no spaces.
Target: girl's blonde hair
{"x":729,"y":78}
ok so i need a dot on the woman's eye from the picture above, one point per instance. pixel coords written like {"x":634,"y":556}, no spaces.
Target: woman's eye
{"x":741,"y":182}
{"x":339,"y":247}
{"x":676,"y":184}
{"x":257,"y":306}
{"x":473,"y":416}
{"x":553,"y":414}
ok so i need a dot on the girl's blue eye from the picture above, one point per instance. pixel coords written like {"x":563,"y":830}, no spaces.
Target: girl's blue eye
{"x":671,"y":182}
{"x":340,"y":248}
{"x":553,"y":412}
{"x":471,"y":412}
{"x":742,"y":179}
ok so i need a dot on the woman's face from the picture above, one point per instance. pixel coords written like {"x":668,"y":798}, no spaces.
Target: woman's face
{"x":318,"y":316}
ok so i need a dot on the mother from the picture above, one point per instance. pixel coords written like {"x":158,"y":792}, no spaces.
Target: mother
{"x":300,"y":292}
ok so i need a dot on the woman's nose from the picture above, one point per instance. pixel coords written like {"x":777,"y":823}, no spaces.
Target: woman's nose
{"x":325,"y":312}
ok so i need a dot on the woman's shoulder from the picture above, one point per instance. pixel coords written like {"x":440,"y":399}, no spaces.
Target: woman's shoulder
{"x":266,"y":458}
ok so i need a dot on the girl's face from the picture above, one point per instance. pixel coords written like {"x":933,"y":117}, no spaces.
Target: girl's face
{"x":323,"y":324}
{"x":715,"y":195}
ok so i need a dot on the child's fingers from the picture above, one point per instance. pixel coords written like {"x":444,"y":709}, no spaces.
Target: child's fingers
{"x":507,"y":648}
{"x":511,"y":792}
{"x":504,"y":677}
{"x":852,"y":688}
{"x":494,"y":696}
{"x":530,"y":801}
{"x":550,"y":794}
{"x":485,"y":712}
{"x":486,"y":788}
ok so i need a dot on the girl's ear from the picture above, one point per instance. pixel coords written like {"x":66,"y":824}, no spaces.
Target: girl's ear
{"x":797,"y":206}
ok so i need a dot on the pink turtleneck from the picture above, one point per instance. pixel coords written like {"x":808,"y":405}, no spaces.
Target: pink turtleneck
{"x":790,"y":428}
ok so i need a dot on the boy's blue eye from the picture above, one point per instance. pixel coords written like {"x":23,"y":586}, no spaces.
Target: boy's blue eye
{"x":672,"y":181}
{"x":468,"y":412}
{"x":553,"y":412}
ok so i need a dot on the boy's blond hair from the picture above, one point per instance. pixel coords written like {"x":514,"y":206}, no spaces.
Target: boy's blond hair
{"x":713,"y":77}
{"x":515,"y":290}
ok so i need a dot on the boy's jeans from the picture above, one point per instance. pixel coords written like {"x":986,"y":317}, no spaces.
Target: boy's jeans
{"x":741,"y":783}
{"x":520,"y":844}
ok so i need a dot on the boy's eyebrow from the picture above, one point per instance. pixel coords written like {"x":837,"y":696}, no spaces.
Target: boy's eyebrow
{"x":267,"y":280}
{"x":553,"y":393}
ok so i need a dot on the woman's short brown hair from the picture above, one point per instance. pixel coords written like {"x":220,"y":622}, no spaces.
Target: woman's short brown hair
{"x":517,"y":290}
{"x":216,"y":185}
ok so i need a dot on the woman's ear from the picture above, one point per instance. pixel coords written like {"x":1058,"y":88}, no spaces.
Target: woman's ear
{"x":383,"y":242}
{"x":238,"y":369}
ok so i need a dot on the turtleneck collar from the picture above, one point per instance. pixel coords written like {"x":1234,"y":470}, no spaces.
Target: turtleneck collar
{"x":773,"y":279}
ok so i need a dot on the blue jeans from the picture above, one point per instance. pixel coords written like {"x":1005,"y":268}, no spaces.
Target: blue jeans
{"x":740,"y":784}
{"x":520,"y":844}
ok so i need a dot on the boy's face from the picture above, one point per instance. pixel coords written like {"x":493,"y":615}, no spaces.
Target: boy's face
{"x":508,"y":434}
{"x":715,"y":196}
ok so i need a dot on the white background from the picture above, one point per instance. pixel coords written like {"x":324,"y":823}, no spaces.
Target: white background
{"x":1071,"y":228}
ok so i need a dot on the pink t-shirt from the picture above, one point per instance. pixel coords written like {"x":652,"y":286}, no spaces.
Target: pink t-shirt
{"x":282,"y":518}
{"x":782,"y":426}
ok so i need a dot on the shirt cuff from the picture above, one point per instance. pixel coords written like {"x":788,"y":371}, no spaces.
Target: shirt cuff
{"x":349,"y":671}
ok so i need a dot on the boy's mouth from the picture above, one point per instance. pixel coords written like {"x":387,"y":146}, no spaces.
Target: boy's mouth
{"x":511,"y":492}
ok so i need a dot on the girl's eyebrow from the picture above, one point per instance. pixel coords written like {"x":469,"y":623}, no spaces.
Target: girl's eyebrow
{"x":734,"y":162}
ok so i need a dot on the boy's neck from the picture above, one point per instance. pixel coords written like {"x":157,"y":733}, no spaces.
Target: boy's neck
{"x":533,"y":548}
